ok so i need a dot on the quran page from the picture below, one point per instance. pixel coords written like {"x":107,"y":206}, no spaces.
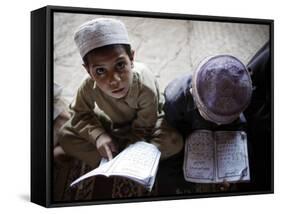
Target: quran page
{"x":199,"y":157}
{"x":232,"y":156}
{"x":138,"y":162}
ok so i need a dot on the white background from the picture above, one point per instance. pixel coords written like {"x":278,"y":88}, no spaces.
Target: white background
{"x":15,"y":106}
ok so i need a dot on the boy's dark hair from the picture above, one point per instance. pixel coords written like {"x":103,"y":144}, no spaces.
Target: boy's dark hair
{"x":126,"y":47}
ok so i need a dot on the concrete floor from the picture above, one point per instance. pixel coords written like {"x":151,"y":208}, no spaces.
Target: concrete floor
{"x":168,"y":47}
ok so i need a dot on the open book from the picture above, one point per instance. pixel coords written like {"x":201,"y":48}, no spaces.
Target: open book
{"x":213,"y":157}
{"x":138,"y":162}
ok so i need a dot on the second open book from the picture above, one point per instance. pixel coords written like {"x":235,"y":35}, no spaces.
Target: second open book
{"x":213,"y":157}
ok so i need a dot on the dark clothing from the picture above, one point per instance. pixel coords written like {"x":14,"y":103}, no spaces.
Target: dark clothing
{"x":258,"y":115}
{"x":182,"y":113}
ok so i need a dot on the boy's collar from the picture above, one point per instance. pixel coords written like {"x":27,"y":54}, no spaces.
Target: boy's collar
{"x":190,"y":103}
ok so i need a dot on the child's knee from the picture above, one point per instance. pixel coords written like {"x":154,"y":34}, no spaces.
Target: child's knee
{"x":80,"y":148}
{"x":71,"y":142}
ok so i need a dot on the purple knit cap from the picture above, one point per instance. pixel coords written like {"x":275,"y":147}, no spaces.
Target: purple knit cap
{"x":222,"y":88}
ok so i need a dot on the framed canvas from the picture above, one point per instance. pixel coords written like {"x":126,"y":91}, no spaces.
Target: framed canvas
{"x":79,"y":120}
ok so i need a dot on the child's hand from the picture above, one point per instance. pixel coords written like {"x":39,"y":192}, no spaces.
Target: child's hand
{"x":225,"y":186}
{"x":105,"y":146}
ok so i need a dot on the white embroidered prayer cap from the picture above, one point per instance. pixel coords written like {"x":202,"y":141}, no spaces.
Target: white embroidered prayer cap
{"x":100,"y":32}
{"x":222,"y":88}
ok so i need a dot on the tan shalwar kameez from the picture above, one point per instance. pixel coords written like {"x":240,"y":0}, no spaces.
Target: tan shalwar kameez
{"x":137,"y":116}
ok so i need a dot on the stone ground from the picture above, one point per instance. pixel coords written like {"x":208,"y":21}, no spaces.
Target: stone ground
{"x":168,"y":47}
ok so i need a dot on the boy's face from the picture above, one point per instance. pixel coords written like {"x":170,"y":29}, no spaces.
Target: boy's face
{"x":111,"y":68}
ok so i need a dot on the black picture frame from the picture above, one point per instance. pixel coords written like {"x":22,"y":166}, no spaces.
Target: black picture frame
{"x":42,"y":76}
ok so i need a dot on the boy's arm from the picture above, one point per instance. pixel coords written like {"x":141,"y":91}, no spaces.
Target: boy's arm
{"x":147,"y":114}
{"x":173,"y":113}
{"x":176,"y":106}
{"x":84,"y":121}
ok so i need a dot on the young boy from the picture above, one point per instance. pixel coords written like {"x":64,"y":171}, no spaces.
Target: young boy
{"x":119,"y":103}
{"x":212,"y":99}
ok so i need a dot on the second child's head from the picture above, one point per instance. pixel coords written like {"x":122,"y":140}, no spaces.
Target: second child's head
{"x":221,"y":88}
{"x":106,"y":52}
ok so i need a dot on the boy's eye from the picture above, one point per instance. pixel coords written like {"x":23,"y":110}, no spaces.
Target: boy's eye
{"x":100,"y":71}
{"x":120,"y":65}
